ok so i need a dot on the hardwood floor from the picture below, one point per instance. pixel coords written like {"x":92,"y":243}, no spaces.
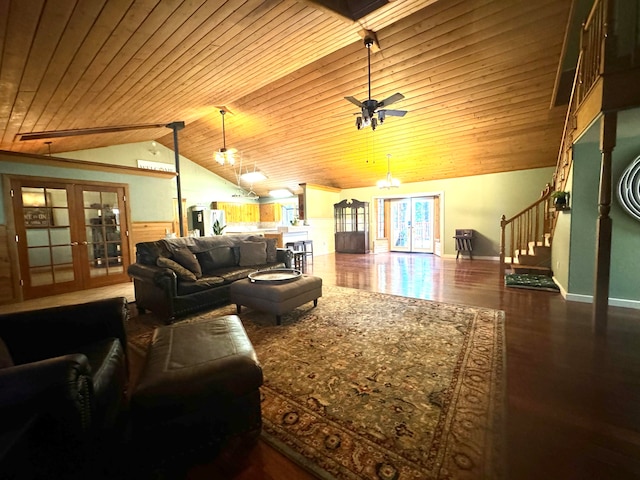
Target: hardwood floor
{"x":573,"y":398}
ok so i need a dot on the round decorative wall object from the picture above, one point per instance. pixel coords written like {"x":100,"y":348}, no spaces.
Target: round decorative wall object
{"x":629,"y":189}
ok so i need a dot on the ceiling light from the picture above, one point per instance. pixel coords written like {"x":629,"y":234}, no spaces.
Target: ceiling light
{"x":389,"y":182}
{"x":154,"y":148}
{"x":225,"y":155}
{"x":255,"y":176}
{"x":280,"y":193}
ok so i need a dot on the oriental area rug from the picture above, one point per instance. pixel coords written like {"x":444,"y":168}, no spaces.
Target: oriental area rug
{"x":375,"y":386}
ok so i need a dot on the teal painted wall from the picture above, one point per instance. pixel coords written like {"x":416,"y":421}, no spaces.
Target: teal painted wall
{"x":584,"y":208}
{"x":561,"y":244}
{"x":151,"y":199}
{"x":625,"y":261}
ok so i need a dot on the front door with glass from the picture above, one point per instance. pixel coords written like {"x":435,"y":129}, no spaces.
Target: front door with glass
{"x":411,"y":225}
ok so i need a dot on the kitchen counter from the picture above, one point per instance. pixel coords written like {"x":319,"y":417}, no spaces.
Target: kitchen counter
{"x":249,"y":231}
{"x":294,"y":229}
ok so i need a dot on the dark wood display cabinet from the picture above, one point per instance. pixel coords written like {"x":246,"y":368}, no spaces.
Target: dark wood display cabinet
{"x":351,"y":226}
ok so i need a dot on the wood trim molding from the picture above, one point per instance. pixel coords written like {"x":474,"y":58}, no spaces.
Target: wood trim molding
{"x":7,"y":291}
{"x":32,"y":159}
{"x":320,"y":187}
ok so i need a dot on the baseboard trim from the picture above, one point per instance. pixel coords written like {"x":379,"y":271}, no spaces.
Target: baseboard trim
{"x":613,"y":302}
{"x":466,"y":257}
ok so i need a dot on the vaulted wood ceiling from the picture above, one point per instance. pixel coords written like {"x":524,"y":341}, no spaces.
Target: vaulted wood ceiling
{"x":477,"y":75}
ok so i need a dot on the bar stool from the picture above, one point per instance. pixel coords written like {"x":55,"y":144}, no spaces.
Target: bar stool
{"x":299,"y":254}
{"x":308,"y":251}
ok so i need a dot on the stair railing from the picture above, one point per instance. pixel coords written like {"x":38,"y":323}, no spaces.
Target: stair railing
{"x":537,"y":221}
{"x":532,"y":224}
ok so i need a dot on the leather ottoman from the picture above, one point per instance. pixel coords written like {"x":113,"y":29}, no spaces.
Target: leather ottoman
{"x":198,"y":389}
{"x":276,"y":298}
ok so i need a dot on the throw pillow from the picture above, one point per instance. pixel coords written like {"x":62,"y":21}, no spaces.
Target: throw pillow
{"x":181,"y":272}
{"x":5,"y":356}
{"x":253,"y":253}
{"x":188,"y":260}
{"x":272,"y":250}
{"x":271,"y":247}
{"x":216,"y":258}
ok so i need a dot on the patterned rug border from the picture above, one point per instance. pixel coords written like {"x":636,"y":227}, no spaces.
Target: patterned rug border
{"x":494,"y":460}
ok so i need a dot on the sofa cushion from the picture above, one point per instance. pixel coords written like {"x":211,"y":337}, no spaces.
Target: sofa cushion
{"x":253,"y":253}
{"x":200,"y":285}
{"x":188,"y":260}
{"x":232,"y":274}
{"x":5,"y":357}
{"x":212,"y":260}
{"x":181,"y":272}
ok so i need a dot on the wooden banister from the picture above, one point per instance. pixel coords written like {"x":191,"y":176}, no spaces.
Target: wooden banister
{"x":533,"y":224}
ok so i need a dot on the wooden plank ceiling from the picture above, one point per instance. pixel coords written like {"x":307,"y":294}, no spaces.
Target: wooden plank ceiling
{"x":477,"y":76}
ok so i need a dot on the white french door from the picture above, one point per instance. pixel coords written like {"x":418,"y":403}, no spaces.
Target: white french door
{"x":411,"y":225}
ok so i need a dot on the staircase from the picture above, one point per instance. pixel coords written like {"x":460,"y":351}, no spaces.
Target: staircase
{"x":535,"y":260}
{"x":525,"y":241}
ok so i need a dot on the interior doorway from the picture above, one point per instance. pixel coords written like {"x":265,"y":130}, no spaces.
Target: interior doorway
{"x":69,"y":236}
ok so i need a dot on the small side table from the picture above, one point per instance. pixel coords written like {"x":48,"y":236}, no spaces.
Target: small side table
{"x":464,"y":242}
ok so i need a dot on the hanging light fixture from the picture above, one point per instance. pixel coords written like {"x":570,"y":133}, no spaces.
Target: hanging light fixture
{"x":389,"y":182}
{"x":225,"y":155}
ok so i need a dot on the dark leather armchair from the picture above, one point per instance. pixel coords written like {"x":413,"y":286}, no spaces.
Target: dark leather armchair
{"x":64,"y":373}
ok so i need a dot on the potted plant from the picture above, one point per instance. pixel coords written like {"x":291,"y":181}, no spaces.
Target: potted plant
{"x":217,"y":228}
{"x":560,"y":200}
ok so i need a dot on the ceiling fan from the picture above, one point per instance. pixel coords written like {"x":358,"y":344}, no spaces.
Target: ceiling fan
{"x":370,"y":107}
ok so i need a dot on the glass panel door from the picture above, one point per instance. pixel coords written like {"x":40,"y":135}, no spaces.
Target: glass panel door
{"x":46,"y":248}
{"x":422,"y":224}
{"x":102,"y":224}
{"x":69,"y":236}
{"x":400,"y":225}
{"x":105,"y":238}
{"x":411,"y":225}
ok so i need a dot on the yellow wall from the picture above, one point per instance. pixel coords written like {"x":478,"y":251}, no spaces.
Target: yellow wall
{"x":318,"y":206}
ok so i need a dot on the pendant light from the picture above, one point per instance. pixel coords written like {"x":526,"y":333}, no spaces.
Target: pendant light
{"x":389,"y":182}
{"x":225,"y":155}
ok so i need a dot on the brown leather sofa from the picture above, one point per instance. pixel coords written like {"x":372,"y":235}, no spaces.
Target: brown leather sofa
{"x":178,"y":276}
{"x":63,"y":381}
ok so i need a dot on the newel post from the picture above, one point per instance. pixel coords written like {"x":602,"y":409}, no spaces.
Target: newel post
{"x":608,"y":126}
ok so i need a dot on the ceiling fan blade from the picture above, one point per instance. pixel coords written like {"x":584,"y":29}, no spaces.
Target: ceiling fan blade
{"x":393,"y":98}
{"x":395,"y":113}
{"x":354,"y":101}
